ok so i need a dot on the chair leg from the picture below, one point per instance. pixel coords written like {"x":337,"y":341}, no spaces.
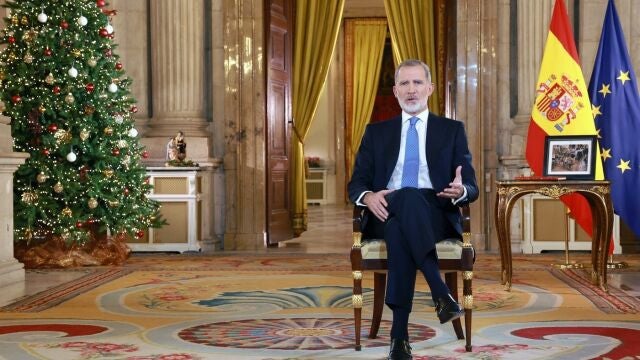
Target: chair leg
{"x":379,"y":288}
{"x":467,"y":277}
{"x":356,"y":301}
{"x":451,"y":279}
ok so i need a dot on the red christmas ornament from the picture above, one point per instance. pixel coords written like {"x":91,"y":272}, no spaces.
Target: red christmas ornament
{"x":100,"y":3}
{"x":52,"y":128}
{"x":48,"y":52}
{"x":79,"y":224}
{"x":89,"y":87}
{"x":45,"y":152}
{"x":145,"y":154}
{"x":115,"y":151}
{"x":134,"y":109}
{"x":103,"y":32}
{"x":56,"y":89}
{"x":125,"y":191}
{"x":140,"y":234}
{"x":12,"y":40}
{"x":16,"y":99}
{"x":64,"y":25}
{"x":118,"y":66}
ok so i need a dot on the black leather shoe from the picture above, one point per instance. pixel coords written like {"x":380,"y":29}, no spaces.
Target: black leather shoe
{"x":448,"y":309}
{"x":400,"y":350}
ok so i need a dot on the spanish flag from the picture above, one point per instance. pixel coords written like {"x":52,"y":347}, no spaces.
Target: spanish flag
{"x":562,"y":106}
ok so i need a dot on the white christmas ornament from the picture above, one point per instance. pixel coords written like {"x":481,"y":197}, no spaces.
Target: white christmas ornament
{"x":82,"y":21}
{"x":73,"y":72}
{"x":113,"y":87}
{"x":71,"y":157}
{"x":133,"y":132}
{"x":119,"y":119}
{"x":42,"y":17}
{"x":109,"y":29}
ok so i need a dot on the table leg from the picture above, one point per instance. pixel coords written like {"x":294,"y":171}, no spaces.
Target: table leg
{"x":502,"y":228}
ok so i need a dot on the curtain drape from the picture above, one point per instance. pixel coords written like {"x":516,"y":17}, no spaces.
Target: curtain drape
{"x":317,"y":27}
{"x":368,"y":45}
{"x":411,"y":23}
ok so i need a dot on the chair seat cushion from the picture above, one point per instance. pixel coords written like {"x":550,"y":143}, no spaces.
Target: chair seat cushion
{"x":377,"y":249}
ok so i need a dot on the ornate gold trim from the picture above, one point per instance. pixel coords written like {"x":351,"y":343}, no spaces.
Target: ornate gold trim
{"x":357,"y":301}
{"x":357,"y":239}
{"x":357,"y":275}
{"x":604,"y":190}
{"x":467,"y":275}
{"x":509,"y":190}
{"x":554,"y":191}
{"x":467,"y":301}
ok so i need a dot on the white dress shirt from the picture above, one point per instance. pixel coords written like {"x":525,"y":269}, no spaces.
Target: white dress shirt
{"x":424,"y":181}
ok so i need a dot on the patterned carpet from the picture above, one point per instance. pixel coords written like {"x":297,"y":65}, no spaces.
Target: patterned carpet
{"x":298,"y":306}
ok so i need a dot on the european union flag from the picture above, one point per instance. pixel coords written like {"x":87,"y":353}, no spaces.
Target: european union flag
{"x":616,"y":108}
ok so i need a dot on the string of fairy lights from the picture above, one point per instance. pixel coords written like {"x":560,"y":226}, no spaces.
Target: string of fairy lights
{"x":64,"y":89}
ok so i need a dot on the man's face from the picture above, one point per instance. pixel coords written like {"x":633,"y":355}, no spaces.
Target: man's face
{"x":412,"y":89}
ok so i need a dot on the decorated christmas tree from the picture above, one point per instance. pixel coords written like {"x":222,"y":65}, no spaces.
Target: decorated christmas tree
{"x":66,"y":93}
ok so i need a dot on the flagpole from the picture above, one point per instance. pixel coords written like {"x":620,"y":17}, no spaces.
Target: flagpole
{"x":567,"y":264}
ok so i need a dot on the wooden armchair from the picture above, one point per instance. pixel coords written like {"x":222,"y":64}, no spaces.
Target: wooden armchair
{"x":370,"y":254}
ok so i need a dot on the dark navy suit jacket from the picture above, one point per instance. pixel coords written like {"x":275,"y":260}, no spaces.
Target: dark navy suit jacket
{"x":446,"y":148}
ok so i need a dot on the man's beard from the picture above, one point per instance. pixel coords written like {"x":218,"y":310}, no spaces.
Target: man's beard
{"x":413,"y":108}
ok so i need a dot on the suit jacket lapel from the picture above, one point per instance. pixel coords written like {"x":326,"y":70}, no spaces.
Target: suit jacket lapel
{"x":394,"y":148}
{"x":433,"y":134}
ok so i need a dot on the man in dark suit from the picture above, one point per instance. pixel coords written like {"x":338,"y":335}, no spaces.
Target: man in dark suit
{"x":412,"y":172}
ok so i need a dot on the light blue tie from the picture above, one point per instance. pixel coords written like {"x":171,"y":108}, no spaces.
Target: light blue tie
{"x":411,"y":165}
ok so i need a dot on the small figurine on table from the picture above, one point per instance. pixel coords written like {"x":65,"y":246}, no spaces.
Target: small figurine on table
{"x":177,"y":147}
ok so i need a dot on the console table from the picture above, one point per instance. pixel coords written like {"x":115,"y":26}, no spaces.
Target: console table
{"x":598,"y":196}
{"x":178,"y":191}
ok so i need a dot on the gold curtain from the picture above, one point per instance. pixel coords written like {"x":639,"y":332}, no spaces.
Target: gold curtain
{"x":368,"y":37}
{"x":411,"y":23}
{"x":316,"y":33}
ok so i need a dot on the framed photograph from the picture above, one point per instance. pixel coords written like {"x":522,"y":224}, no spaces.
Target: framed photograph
{"x":570,"y":157}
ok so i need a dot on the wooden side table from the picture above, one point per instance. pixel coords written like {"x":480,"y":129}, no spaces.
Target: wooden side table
{"x":598,"y":196}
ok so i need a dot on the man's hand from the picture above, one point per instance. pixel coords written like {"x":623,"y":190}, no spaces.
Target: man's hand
{"x":455,"y":189}
{"x":377,"y":204}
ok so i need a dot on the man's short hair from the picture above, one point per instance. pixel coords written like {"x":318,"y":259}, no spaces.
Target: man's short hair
{"x":413,"y":62}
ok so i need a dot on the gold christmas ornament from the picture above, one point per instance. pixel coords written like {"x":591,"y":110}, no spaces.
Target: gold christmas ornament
{"x":108,"y":131}
{"x":29,"y":197}
{"x":42,"y":109}
{"x":107,"y":172}
{"x":84,"y":134}
{"x":24,"y":20}
{"x":76,"y":52}
{"x":69,"y":99}
{"x":12,"y":56}
{"x":14,"y":20}
{"x":2,"y":75}
{"x":41,"y":177}
{"x":67,"y":212}
{"x":29,"y":36}
{"x":122,"y":144}
{"x":93,"y":203}
{"x":92,"y":62}
{"x":28,"y":58}
{"x":49,"y":79}
{"x":62,"y":137}
{"x":114,"y":203}
{"x":58,"y":188}
{"x":89,"y":109}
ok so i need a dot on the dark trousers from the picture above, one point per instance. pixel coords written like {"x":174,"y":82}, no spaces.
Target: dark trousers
{"x":415,"y":224}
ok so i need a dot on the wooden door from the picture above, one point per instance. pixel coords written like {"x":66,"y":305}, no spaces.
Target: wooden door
{"x":278,"y":64}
